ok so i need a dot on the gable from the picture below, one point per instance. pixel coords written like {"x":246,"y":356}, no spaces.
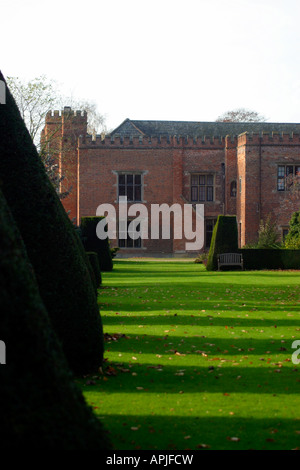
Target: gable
{"x":127,"y":128}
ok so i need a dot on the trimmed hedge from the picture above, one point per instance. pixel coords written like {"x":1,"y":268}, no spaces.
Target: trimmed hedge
{"x":255,"y":259}
{"x":40,"y":405}
{"x":94,"y":262}
{"x":224,"y":240}
{"x":52,"y":244}
{"x":92,"y":243}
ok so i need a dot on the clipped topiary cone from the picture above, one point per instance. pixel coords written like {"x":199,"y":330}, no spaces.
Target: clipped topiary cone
{"x":53,"y":247}
{"x":40,"y":406}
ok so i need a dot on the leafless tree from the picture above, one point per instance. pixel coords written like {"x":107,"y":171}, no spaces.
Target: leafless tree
{"x":34,"y":99}
{"x":241,"y":115}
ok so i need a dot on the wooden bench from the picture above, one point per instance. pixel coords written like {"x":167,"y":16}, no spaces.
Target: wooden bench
{"x":230,"y":259}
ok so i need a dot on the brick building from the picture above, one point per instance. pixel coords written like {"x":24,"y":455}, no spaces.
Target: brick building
{"x":232,"y":168}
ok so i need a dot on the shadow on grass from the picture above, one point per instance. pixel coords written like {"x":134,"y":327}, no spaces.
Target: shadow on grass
{"x":179,"y":378}
{"x":146,"y":318}
{"x":167,"y":344}
{"x":158,"y":432}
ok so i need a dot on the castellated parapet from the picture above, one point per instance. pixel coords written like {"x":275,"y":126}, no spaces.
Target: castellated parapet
{"x":268,"y":138}
{"x":54,"y":116}
{"x":151,"y":142}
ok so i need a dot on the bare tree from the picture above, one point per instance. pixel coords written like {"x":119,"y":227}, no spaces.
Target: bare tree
{"x":34,"y":99}
{"x":241,"y":115}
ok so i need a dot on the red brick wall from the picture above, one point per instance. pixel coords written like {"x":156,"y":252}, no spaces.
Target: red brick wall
{"x":262,"y":155}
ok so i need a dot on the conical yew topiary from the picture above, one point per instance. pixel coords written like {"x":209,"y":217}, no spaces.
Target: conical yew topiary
{"x":224,"y":240}
{"x":53,"y":247}
{"x":40,"y":405}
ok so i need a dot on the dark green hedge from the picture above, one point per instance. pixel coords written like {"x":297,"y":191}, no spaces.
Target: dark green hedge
{"x":270,"y":259}
{"x":224,"y":240}
{"x":53,"y":246}
{"x":40,"y":405}
{"x":94,"y":262}
{"x":92,"y":243}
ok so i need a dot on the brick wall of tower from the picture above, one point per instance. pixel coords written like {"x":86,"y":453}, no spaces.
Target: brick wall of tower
{"x":249,"y":188}
{"x":230,"y":174}
{"x":62,"y":130}
{"x":263,"y":155}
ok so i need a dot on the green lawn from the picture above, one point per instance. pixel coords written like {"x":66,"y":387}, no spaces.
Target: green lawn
{"x":199,"y":359}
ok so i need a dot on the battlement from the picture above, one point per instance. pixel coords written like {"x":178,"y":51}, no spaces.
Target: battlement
{"x":67,"y":112}
{"x":151,"y":142}
{"x":268,"y":138}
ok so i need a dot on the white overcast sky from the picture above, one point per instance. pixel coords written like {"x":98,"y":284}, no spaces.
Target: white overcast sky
{"x":160,"y":59}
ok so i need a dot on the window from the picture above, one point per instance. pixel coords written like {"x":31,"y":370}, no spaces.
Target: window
{"x":284,"y":172}
{"x":284,"y":232}
{"x":130,"y":185}
{"x":233,"y":189}
{"x":209,"y":227}
{"x":125,"y":240}
{"x":240,"y":185}
{"x":202,"y":188}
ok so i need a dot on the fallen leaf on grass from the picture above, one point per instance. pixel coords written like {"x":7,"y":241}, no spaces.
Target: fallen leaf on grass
{"x":110,"y":371}
{"x":90,"y":382}
{"x":234,"y":439}
{"x":203,"y":446}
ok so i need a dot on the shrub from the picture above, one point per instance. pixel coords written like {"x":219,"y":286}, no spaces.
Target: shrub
{"x":93,"y":243}
{"x":267,"y":236}
{"x":53,"y":246}
{"x":224,"y":240}
{"x":94,"y":262}
{"x":114,"y":251}
{"x":40,"y":405}
{"x":292,"y":240}
{"x":201,"y":258}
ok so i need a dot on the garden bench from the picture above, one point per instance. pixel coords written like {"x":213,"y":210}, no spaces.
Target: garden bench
{"x":230,"y":259}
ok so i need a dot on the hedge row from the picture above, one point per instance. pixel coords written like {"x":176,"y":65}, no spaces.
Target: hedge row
{"x":54,"y":248}
{"x":270,"y":259}
{"x":40,"y":405}
{"x":91,"y":242}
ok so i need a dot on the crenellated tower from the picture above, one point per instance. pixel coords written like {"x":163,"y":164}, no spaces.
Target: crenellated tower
{"x":60,"y":138}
